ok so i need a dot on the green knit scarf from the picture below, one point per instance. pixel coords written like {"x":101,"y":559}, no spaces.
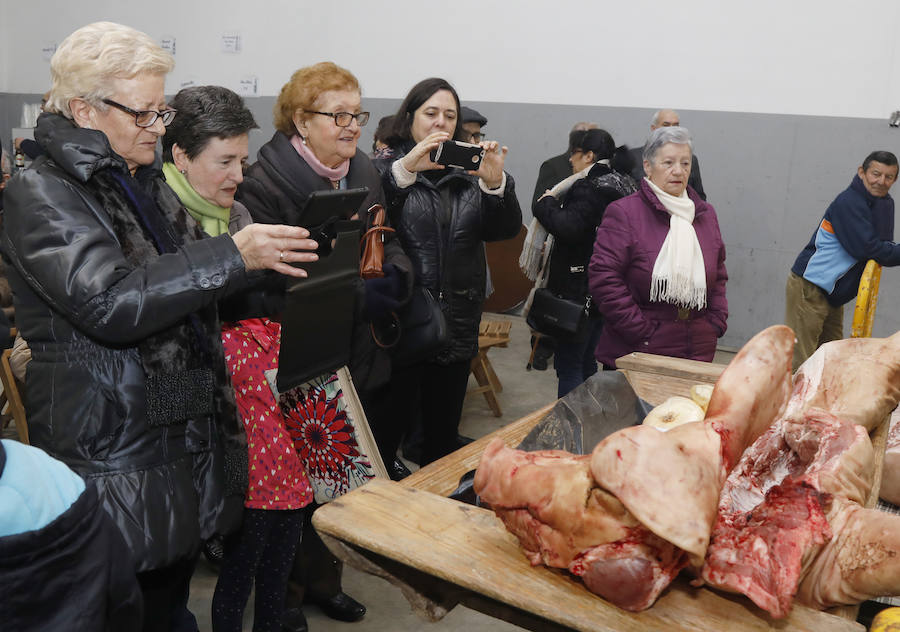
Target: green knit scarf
{"x":213,"y":218}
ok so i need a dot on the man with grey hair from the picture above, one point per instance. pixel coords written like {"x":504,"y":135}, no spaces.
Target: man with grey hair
{"x":557,"y":168}
{"x":667,"y":118}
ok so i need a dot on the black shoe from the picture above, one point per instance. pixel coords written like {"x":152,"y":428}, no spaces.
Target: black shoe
{"x":539,"y":363}
{"x":340,"y":607}
{"x":292,"y":620}
{"x":397,"y":471}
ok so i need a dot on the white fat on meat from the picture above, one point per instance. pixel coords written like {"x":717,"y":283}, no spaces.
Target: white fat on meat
{"x":890,"y":477}
{"x":857,"y":379}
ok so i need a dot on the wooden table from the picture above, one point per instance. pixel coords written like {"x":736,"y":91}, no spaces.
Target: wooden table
{"x":441,"y":552}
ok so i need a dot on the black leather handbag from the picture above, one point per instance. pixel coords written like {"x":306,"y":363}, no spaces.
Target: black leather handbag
{"x":558,"y":317}
{"x":423,"y":329}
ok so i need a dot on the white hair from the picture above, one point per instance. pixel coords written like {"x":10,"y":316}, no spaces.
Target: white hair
{"x":88,"y":62}
{"x":663,"y":136}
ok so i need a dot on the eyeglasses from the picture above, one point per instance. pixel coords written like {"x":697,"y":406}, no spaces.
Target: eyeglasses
{"x":343,"y":119}
{"x":145,"y":118}
{"x":477,"y":137}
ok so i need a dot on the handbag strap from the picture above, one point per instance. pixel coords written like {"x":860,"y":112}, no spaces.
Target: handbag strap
{"x":587,"y":300}
{"x":375,"y":216}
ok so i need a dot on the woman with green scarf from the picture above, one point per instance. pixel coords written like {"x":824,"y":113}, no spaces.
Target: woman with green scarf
{"x":204,"y":153}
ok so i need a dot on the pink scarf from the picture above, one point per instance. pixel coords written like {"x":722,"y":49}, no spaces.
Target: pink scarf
{"x":316,"y":165}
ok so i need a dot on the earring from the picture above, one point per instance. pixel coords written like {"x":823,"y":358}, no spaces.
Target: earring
{"x":182,"y":171}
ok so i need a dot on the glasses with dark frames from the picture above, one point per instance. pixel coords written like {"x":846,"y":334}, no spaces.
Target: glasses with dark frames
{"x":145,"y":118}
{"x":343,"y":119}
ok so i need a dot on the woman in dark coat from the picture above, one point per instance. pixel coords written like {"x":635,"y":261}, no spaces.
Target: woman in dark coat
{"x":443,"y":216}
{"x":318,"y":118}
{"x":658,"y":272}
{"x":573,"y":222}
{"x":115,"y":290}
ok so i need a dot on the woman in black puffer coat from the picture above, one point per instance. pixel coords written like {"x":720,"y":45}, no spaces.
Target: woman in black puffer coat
{"x":443,"y":216}
{"x":573,"y":223}
{"x":115,"y":291}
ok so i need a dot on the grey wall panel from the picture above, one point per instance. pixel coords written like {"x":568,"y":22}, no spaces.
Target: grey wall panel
{"x":769,"y":176}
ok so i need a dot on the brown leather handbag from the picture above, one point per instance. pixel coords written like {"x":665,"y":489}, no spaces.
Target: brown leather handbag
{"x":372,"y":243}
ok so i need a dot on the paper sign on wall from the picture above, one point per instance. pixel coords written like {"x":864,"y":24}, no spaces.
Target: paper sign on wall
{"x":231,"y":42}
{"x":248,"y":86}
{"x":167,"y":43}
{"x":188,"y":82}
{"x":47,"y":50}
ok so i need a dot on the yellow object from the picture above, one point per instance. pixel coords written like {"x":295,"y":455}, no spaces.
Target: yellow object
{"x":866,"y":301}
{"x":888,"y":620}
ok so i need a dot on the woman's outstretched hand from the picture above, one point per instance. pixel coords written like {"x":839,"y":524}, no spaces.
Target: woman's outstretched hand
{"x":275,"y":247}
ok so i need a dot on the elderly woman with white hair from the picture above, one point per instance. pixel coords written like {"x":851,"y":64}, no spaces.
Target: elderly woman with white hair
{"x":116,"y":288}
{"x":657,"y":274}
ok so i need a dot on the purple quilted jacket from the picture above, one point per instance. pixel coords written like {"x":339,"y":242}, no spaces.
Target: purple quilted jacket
{"x":628,"y":242}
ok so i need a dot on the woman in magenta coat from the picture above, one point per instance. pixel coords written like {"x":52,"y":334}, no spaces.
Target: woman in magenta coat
{"x":657,"y":274}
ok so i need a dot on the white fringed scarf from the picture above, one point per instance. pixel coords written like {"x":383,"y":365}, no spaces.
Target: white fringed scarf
{"x":679,"y":276}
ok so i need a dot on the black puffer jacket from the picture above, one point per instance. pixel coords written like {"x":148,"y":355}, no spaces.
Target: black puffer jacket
{"x":418,"y":214}
{"x":275,"y":189}
{"x":573,"y":223}
{"x":85,"y":311}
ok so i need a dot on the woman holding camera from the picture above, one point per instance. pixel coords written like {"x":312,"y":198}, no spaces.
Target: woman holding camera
{"x":573,"y":222}
{"x":443,"y":216}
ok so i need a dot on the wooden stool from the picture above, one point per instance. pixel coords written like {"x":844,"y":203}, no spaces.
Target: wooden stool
{"x":11,"y":394}
{"x":491,"y":333}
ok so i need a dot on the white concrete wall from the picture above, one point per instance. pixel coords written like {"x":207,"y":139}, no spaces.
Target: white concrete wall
{"x":810,"y":57}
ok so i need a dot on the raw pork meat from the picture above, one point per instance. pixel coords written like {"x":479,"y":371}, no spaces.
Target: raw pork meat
{"x":647,"y":506}
{"x":791,"y":522}
{"x":774,"y":514}
{"x":856,"y":379}
{"x":890,"y":477}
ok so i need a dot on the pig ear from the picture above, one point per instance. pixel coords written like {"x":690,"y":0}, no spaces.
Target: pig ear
{"x":683,"y":463}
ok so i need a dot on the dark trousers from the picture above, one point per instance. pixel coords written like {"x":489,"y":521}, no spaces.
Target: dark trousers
{"x":575,"y":361}
{"x":316,"y":572}
{"x":432,"y":392}
{"x":263,"y":550}
{"x":166,"y":592}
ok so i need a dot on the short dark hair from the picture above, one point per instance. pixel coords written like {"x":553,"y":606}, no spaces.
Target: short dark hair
{"x":401,"y":131}
{"x":204,"y":113}
{"x":884,"y":157}
{"x":598,"y":141}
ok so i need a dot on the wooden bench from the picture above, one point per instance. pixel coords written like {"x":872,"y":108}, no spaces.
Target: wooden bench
{"x":491,"y":333}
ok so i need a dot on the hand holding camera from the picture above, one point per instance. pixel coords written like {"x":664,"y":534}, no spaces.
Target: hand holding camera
{"x":419,"y":157}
